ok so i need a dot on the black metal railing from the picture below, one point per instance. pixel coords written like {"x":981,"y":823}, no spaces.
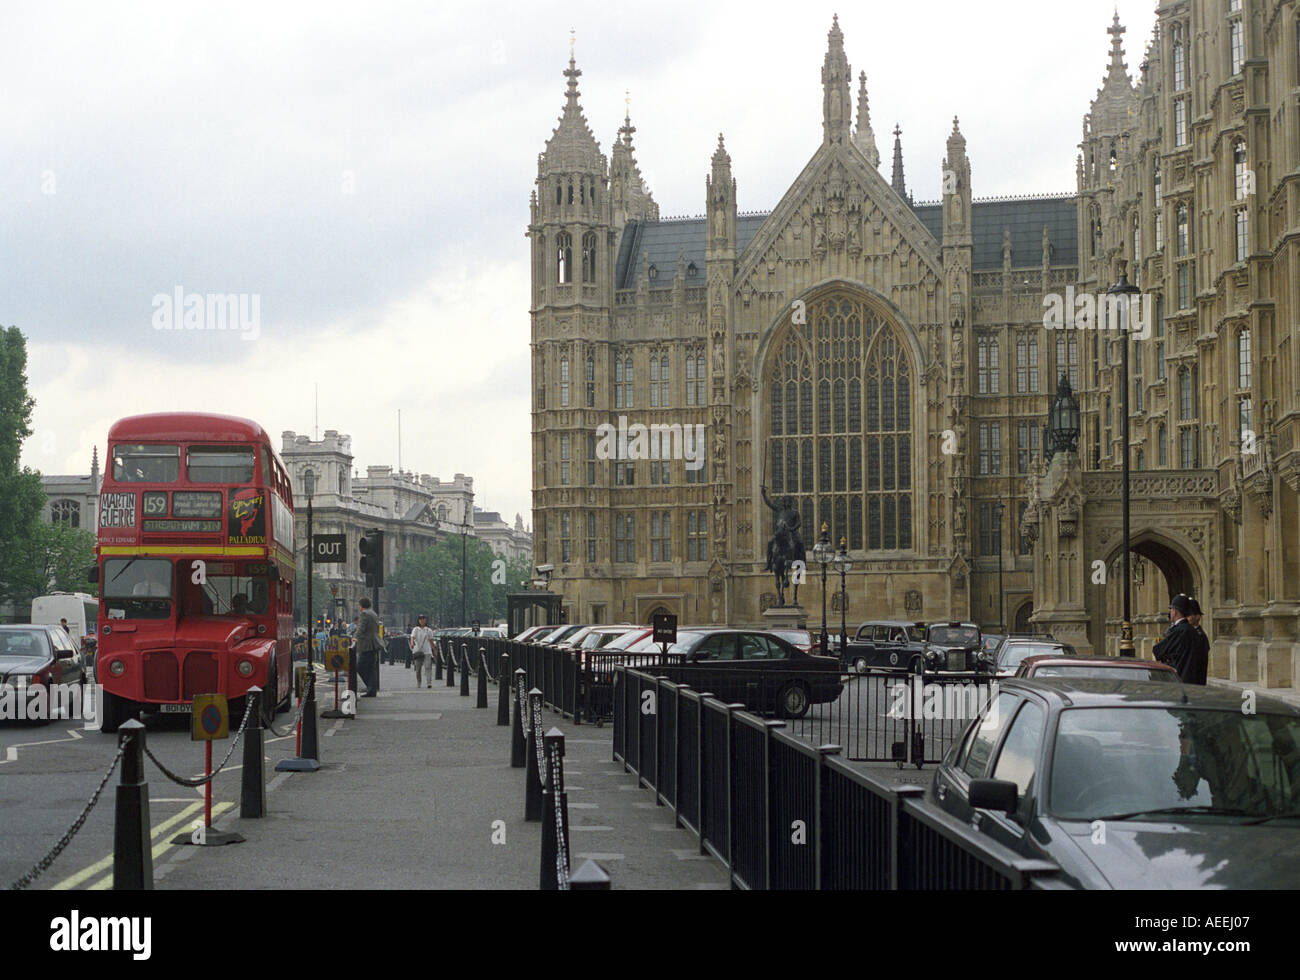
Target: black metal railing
{"x":781,"y":812}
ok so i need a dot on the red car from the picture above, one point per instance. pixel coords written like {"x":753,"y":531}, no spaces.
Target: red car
{"x":1110,"y":668}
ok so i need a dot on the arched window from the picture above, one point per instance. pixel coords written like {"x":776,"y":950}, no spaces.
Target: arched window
{"x":591,"y":382}
{"x":589,"y":257}
{"x":1183,"y":230}
{"x":1243,"y":359}
{"x":1185,"y":407}
{"x":309,"y":482}
{"x":1240,"y":175}
{"x":564,"y":381}
{"x":570,"y":190}
{"x":1160,"y":210}
{"x":66,"y":512}
{"x":563,"y":257}
{"x":442,"y":512}
{"x":1162,"y":441}
{"x":843,"y":373}
{"x":559,"y":191}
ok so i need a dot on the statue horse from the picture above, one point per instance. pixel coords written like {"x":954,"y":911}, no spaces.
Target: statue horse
{"x":783,"y":551}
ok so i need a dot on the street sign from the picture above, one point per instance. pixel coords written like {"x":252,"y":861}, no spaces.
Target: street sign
{"x":665,"y":628}
{"x":211,"y":718}
{"x":329,"y":549}
{"x":337,"y":660}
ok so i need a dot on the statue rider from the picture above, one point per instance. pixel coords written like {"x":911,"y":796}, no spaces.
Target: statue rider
{"x":786,"y":541}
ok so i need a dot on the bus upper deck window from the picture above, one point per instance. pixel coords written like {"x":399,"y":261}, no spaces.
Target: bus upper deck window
{"x":146,"y":464}
{"x":219,"y":464}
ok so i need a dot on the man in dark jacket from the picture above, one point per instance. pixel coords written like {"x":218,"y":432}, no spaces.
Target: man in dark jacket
{"x":367,"y":648}
{"x":1202,"y":657}
{"x":1181,"y":647}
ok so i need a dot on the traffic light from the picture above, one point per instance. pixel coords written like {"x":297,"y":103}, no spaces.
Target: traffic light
{"x":372,"y":558}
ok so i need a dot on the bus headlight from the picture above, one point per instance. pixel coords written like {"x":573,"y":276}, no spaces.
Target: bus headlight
{"x":245,"y":668}
{"x":117,"y":668}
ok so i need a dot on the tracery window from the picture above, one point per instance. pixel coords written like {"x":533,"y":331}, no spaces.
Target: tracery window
{"x":66,"y":512}
{"x":840,"y":419}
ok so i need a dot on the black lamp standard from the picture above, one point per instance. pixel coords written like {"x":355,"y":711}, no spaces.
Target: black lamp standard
{"x":823,"y":554}
{"x":464,"y":533}
{"x":844,"y":565}
{"x":1124,"y":290}
{"x":998,"y":509}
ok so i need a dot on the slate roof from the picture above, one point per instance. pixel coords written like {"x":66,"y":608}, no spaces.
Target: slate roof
{"x":661,"y":241}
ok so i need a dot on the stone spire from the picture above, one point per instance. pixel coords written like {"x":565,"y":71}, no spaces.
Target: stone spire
{"x":837,"y":103}
{"x":572,"y":146}
{"x":632,"y":198}
{"x":94,"y":467}
{"x":897,"y":182}
{"x":1118,"y":68}
{"x":864,"y":138}
{"x":720,"y":204}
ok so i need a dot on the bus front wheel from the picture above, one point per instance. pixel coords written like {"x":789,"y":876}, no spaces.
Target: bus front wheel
{"x":112,"y":712}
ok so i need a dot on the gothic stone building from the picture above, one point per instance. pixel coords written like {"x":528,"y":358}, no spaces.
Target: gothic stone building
{"x":886,"y":364}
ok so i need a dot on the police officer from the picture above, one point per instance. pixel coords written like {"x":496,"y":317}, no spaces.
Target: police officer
{"x":1181,"y":646}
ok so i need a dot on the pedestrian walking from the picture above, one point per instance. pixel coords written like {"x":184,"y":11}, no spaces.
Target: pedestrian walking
{"x":421,"y":641}
{"x":1181,"y":647}
{"x":366,"y":644}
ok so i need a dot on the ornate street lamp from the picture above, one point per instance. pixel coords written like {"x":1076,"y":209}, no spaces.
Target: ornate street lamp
{"x":1124,"y":290}
{"x":1063,"y":419}
{"x":844,"y":566}
{"x":823,"y":554}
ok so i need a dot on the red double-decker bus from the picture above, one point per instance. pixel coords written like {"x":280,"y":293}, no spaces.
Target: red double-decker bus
{"x":195,"y":565}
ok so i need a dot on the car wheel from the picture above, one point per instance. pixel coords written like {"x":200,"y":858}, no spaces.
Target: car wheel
{"x":860,"y":665}
{"x":916,"y":666}
{"x":793,"y":700}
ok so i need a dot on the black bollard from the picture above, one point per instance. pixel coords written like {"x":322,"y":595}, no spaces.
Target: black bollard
{"x":503,"y":690}
{"x":437,"y":657}
{"x":132,"y":846}
{"x":309,"y":759}
{"x":552,"y":796}
{"x":590,"y":877}
{"x":482,"y":679}
{"x":518,"y":744}
{"x":252,"y":792}
{"x":533,"y":780}
{"x":451,"y":663}
{"x":464,"y":671}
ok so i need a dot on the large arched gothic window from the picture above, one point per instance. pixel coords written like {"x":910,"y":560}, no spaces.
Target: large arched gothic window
{"x":589,"y":257}
{"x":564,"y":256}
{"x":66,"y":512}
{"x":840,"y":423}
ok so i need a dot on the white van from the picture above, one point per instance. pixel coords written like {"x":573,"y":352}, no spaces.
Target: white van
{"x":79,"y":609}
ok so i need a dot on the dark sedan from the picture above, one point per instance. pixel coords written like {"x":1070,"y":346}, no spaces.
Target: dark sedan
{"x":32,"y":656}
{"x":1133,"y":785}
{"x":889,"y":644}
{"x":953,"y":647}
{"x":1116,"y":668}
{"x":755,"y":668}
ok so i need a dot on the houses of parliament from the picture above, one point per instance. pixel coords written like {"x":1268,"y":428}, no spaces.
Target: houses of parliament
{"x":885,"y":364}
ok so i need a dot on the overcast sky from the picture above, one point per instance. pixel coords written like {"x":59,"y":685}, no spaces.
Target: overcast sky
{"x":363,"y":170}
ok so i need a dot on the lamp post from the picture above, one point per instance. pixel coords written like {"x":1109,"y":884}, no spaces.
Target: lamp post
{"x":1124,"y":290}
{"x":843,"y":564}
{"x":823,"y":554}
{"x":464,"y":533}
{"x":310,"y":487}
{"x":998,"y":509}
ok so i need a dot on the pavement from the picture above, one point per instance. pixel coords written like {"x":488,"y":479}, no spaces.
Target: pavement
{"x":418,"y":793}
{"x":1288,"y":694}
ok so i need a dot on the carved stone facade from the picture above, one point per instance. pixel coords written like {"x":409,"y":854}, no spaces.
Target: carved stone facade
{"x":869,"y":356}
{"x":1190,"y":174}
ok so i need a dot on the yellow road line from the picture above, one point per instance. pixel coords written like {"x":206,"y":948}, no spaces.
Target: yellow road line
{"x":98,"y":866}
{"x":159,"y":849}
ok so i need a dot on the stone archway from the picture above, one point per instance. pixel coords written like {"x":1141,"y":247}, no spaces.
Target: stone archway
{"x":1021,"y":623}
{"x":657,"y":610}
{"x":1162,"y":568}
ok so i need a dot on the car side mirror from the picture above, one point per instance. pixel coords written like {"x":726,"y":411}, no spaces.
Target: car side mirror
{"x":995,"y":794}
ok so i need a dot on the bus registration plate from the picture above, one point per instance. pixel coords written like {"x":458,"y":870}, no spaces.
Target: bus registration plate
{"x":175,"y":709}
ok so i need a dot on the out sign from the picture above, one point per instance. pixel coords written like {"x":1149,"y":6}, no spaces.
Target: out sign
{"x":329,"y":549}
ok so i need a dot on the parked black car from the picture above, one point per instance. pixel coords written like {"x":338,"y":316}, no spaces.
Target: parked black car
{"x":755,"y":668}
{"x":1129,"y":784}
{"x":953,"y":647}
{"x":889,"y":644}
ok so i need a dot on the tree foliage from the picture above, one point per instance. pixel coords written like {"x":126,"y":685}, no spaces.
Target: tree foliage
{"x":429,"y":581}
{"x":22,"y":574}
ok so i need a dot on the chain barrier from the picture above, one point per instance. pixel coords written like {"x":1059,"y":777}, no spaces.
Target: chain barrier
{"x":40,"y":867}
{"x":202,"y":780}
{"x":561,"y":839}
{"x":269,"y":724}
{"x":537,"y":740}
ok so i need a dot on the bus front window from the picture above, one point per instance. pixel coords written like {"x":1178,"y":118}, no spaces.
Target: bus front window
{"x":233,"y":595}
{"x":138,"y":588}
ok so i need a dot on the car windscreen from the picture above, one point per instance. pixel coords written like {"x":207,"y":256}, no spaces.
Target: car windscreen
{"x":1105,"y":672}
{"x":24,"y":643}
{"x":625,"y":641}
{"x":1013,"y":653}
{"x":954,"y":636}
{"x":1118,"y":762}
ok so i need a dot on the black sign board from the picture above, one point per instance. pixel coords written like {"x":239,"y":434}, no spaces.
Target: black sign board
{"x":329,"y":549}
{"x":665,"y":628}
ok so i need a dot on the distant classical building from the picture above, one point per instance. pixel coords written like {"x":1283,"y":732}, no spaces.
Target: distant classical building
{"x":508,"y":542}
{"x":413,"y":511}
{"x":73,"y":500}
